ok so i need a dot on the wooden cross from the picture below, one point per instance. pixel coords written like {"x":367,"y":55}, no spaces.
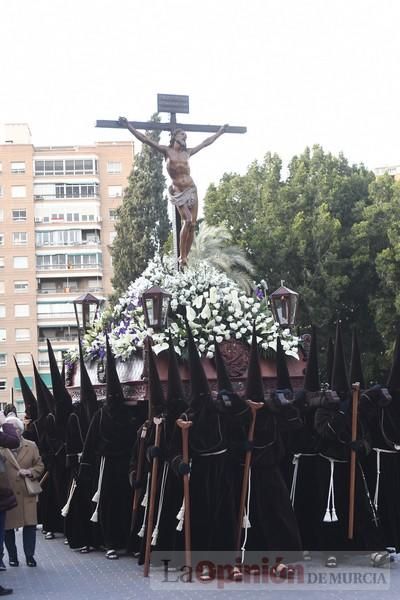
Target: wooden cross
{"x":172,"y":104}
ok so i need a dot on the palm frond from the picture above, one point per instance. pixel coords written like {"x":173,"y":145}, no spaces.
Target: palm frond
{"x":213,"y":243}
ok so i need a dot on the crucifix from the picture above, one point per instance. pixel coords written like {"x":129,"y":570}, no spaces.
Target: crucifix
{"x":182,"y":190}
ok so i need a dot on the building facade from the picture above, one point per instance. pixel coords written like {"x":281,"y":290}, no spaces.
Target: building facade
{"x":57,"y":213}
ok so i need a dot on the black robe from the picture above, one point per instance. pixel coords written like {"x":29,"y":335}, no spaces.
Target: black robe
{"x":55,"y":488}
{"x":334,"y":432}
{"x":384,"y":430}
{"x":109,"y":442}
{"x":273,"y":525}
{"x":301,"y":465}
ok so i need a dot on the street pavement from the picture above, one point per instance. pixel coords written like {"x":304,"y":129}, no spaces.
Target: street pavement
{"x":63,"y":574}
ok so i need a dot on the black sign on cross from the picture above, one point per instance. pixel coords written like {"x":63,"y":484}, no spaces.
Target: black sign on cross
{"x":173,"y":104}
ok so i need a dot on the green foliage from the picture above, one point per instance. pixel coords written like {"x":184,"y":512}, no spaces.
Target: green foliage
{"x":331,"y":231}
{"x":142,"y":224}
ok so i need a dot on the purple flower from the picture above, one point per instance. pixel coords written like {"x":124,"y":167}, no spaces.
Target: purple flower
{"x":259,"y":294}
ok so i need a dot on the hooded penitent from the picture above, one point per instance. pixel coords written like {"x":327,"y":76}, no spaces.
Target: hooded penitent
{"x":62,"y":399}
{"x":44,"y":397}
{"x":157,"y":403}
{"x":114,"y":395}
{"x":339,"y":382}
{"x":356,"y":373}
{"x":254,"y":384}
{"x":200,"y":393}
{"x":311,"y":379}
{"x":87,"y":392}
{"x":393,"y":382}
{"x":282,"y":373}
{"x":31,"y":407}
{"x":176,"y":397}
{"x":329,"y":360}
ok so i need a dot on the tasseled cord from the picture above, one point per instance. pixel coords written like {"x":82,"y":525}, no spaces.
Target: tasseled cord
{"x":246,"y":520}
{"x":330,"y":513}
{"x":295,"y":461}
{"x":96,"y":498}
{"x":65,"y":509}
{"x":145,"y":503}
{"x":154,"y":536}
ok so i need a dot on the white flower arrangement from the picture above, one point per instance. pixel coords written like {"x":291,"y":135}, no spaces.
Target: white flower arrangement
{"x":216,"y":310}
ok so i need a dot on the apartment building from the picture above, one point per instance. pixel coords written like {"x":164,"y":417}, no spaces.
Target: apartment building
{"x":393,"y":170}
{"x":57,"y":213}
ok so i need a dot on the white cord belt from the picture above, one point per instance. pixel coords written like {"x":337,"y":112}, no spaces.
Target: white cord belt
{"x":65,"y":509}
{"x":378,"y":471}
{"x":96,"y":498}
{"x":295,"y":461}
{"x":154,"y":536}
{"x":246,"y":517}
{"x":330,"y":513}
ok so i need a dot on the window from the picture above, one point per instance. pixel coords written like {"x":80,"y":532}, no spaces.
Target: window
{"x":20,"y":262}
{"x":112,"y":213}
{"x":76,"y":190}
{"x":17,"y":167}
{"x":3,"y":385}
{"x":3,"y":335}
{"x":1,"y":239}
{"x":19,"y":214}
{"x":2,"y":311}
{"x":18,"y":191}
{"x":22,"y":335}
{"x":47,"y":261}
{"x":20,"y":238}
{"x":23,"y":358}
{"x":3,"y":359}
{"x":21,"y":286}
{"x":2,"y":287}
{"x":21,"y":310}
{"x":114,"y":166}
{"x":115,"y":191}
{"x":66,"y":167}
{"x":2,"y":262}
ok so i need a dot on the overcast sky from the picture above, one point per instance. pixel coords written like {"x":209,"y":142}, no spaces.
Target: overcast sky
{"x":295,"y":72}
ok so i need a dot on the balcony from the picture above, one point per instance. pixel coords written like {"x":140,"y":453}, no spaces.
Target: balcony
{"x":71,"y":290}
{"x":76,"y":268}
{"x":44,"y":197}
{"x":69,"y":222}
{"x":90,"y":243}
{"x":65,"y":339}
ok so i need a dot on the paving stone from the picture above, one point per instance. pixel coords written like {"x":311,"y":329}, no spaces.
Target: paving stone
{"x":63,"y":574}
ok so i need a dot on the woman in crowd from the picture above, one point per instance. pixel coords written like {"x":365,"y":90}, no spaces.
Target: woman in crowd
{"x":21,"y":463}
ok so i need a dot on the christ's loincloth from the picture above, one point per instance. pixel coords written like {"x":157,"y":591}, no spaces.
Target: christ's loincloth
{"x":186,"y":198}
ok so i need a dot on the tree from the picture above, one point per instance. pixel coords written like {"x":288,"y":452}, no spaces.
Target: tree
{"x":376,"y":261}
{"x":142,"y":225}
{"x":304,"y":230}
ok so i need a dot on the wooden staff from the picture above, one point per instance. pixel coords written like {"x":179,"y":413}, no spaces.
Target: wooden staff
{"x":254,"y":407}
{"x":353,"y":458}
{"x":152,"y":500}
{"x":139,"y":474}
{"x":184,"y":427}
